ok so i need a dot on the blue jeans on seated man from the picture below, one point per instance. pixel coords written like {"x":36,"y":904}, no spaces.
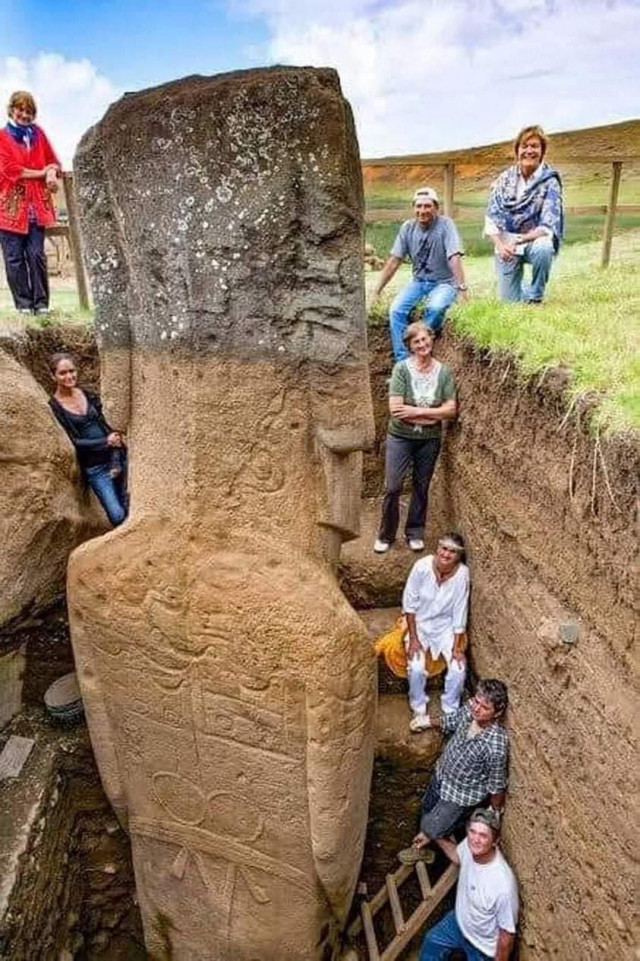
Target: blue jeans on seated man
{"x":110,"y":491}
{"x":539,"y":253}
{"x":439,"y":296}
{"x":444,"y":936}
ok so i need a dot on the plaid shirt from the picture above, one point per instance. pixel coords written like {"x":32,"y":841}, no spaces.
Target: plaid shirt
{"x":469,"y":768}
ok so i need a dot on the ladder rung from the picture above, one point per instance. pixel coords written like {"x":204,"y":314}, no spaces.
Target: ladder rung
{"x":381,"y":897}
{"x":423,"y":879}
{"x":369,"y":932}
{"x":420,"y":915}
{"x":394,"y":901}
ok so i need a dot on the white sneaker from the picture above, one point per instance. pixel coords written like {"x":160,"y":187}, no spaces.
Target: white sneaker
{"x":381,"y":547}
{"x":419,"y":722}
{"x":416,"y":543}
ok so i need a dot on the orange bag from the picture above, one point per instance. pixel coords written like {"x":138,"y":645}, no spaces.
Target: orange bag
{"x":391,"y":647}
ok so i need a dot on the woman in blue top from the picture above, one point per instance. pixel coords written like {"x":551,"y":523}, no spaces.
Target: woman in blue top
{"x":101,"y":451}
{"x":525,"y":219}
{"x":422,"y":394}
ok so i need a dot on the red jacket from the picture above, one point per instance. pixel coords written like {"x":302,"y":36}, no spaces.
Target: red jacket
{"x":17,"y":194}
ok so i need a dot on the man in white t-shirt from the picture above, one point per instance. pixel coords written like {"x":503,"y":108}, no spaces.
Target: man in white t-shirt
{"x":484,"y":920}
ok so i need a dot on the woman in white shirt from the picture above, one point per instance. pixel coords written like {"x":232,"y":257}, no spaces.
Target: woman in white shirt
{"x":435,"y":602}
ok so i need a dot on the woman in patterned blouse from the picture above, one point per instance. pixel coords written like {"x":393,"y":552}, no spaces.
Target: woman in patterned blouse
{"x":525,"y":219}
{"x":29,"y":173}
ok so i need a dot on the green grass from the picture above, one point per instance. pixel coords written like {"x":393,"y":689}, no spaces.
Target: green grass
{"x":592,"y":187}
{"x":589,"y":323}
{"x":580,"y":229}
{"x":65,"y":309}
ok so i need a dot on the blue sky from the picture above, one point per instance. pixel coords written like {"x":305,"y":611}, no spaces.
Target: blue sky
{"x":420,"y":74}
{"x":137,"y":43}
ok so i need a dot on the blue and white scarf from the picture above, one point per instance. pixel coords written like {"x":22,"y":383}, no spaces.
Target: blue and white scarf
{"x":539,"y":206}
{"x":25,"y":134}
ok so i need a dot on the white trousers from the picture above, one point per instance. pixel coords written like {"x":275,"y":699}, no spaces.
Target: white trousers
{"x":453,"y":684}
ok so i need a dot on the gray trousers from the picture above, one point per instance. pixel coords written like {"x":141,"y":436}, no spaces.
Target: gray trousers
{"x":437,"y":817}
{"x":402,"y":453}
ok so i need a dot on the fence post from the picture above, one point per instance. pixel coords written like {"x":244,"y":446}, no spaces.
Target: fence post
{"x":75,"y":243}
{"x":449,"y":181}
{"x":607,"y":236}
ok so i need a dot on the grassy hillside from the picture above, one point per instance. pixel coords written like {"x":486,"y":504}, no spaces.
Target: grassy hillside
{"x":388,"y":188}
{"x":588,"y":323}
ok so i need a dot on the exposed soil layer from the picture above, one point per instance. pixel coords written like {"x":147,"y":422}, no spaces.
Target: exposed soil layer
{"x":548,"y":511}
{"x":68,"y":887}
{"x":34,"y":347}
{"x":475,"y":166}
{"x":46,"y":509}
{"x":47,"y":646}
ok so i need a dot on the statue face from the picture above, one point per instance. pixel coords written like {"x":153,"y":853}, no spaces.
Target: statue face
{"x":288,"y":443}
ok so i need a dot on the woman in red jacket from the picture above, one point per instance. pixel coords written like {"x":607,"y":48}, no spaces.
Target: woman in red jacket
{"x":29,"y":172}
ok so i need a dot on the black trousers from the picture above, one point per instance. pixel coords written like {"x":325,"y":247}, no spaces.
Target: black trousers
{"x":400,"y":454}
{"x":26,"y":266}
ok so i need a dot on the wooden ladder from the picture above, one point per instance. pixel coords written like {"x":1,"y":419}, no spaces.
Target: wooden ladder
{"x":405,"y":930}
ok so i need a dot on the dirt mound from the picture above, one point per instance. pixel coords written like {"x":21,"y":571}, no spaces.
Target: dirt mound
{"x":611,"y":140}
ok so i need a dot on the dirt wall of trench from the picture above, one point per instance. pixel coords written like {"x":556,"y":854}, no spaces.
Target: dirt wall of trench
{"x":549,"y":513}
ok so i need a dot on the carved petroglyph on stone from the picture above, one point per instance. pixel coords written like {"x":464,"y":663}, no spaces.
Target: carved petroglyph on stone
{"x":195,"y":725}
{"x":229,"y":687}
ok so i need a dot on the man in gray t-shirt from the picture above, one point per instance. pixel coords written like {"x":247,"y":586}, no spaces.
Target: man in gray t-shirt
{"x":432,"y":243}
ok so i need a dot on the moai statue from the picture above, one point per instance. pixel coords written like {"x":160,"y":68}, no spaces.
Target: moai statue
{"x":229,"y":687}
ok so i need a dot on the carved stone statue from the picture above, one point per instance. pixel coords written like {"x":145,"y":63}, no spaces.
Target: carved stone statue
{"x":228,"y":685}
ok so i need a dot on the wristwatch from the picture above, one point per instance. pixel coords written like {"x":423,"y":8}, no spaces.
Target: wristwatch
{"x":461,"y":287}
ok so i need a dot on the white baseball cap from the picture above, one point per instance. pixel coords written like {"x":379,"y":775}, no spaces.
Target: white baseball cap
{"x":425,"y":193}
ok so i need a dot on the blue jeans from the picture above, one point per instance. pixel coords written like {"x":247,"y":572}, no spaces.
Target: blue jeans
{"x":539,"y":253}
{"x":446,"y":935}
{"x":110,"y":491}
{"x":440,"y":295}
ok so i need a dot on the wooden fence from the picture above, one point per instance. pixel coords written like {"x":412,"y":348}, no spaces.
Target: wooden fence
{"x":71,"y":231}
{"x":449,"y":163}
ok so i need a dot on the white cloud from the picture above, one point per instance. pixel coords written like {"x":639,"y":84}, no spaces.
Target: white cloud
{"x":425,"y":75}
{"x":70,"y":94}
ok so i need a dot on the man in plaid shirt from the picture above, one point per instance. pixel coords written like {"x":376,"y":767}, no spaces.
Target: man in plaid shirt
{"x":472,"y":766}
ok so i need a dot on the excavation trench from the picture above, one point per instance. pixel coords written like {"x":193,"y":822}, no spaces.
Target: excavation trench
{"x":547,"y":511}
